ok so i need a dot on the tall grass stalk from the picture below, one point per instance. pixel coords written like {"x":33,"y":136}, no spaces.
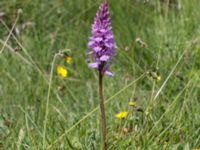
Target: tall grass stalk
{"x":47,"y":102}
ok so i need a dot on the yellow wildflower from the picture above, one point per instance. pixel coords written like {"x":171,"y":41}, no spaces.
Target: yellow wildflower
{"x":61,"y":71}
{"x":131,"y":103}
{"x":68,"y":59}
{"x":121,"y":115}
{"x":197,"y":149}
{"x":158,"y":78}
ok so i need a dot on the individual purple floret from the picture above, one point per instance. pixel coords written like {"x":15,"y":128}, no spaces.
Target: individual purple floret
{"x":101,"y":42}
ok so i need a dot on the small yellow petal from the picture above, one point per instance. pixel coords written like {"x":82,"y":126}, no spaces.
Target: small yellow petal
{"x":131,"y":103}
{"x":158,"y":78}
{"x":68,"y":59}
{"x":61,"y":71}
{"x":121,"y":115}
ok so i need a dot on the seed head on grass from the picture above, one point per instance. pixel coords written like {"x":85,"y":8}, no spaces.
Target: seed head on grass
{"x":154,"y":75}
{"x":132,"y":103}
{"x":101,"y":42}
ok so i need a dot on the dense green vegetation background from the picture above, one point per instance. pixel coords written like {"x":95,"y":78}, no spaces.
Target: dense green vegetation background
{"x":171,"y":106}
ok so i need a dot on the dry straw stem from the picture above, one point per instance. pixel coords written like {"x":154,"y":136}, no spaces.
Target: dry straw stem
{"x":10,"y":33}
{"x":93,"y":111}
{"x":13,"y":52}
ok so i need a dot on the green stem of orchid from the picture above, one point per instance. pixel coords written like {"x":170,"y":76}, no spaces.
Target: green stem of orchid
{"x":102,"y":109}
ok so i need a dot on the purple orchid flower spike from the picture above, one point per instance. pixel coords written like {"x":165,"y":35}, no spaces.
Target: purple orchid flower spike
{"x":101,"y":43}
{"x":102,"y":47}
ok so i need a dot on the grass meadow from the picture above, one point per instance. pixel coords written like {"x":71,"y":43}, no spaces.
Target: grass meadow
{"x":42,"y":110}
